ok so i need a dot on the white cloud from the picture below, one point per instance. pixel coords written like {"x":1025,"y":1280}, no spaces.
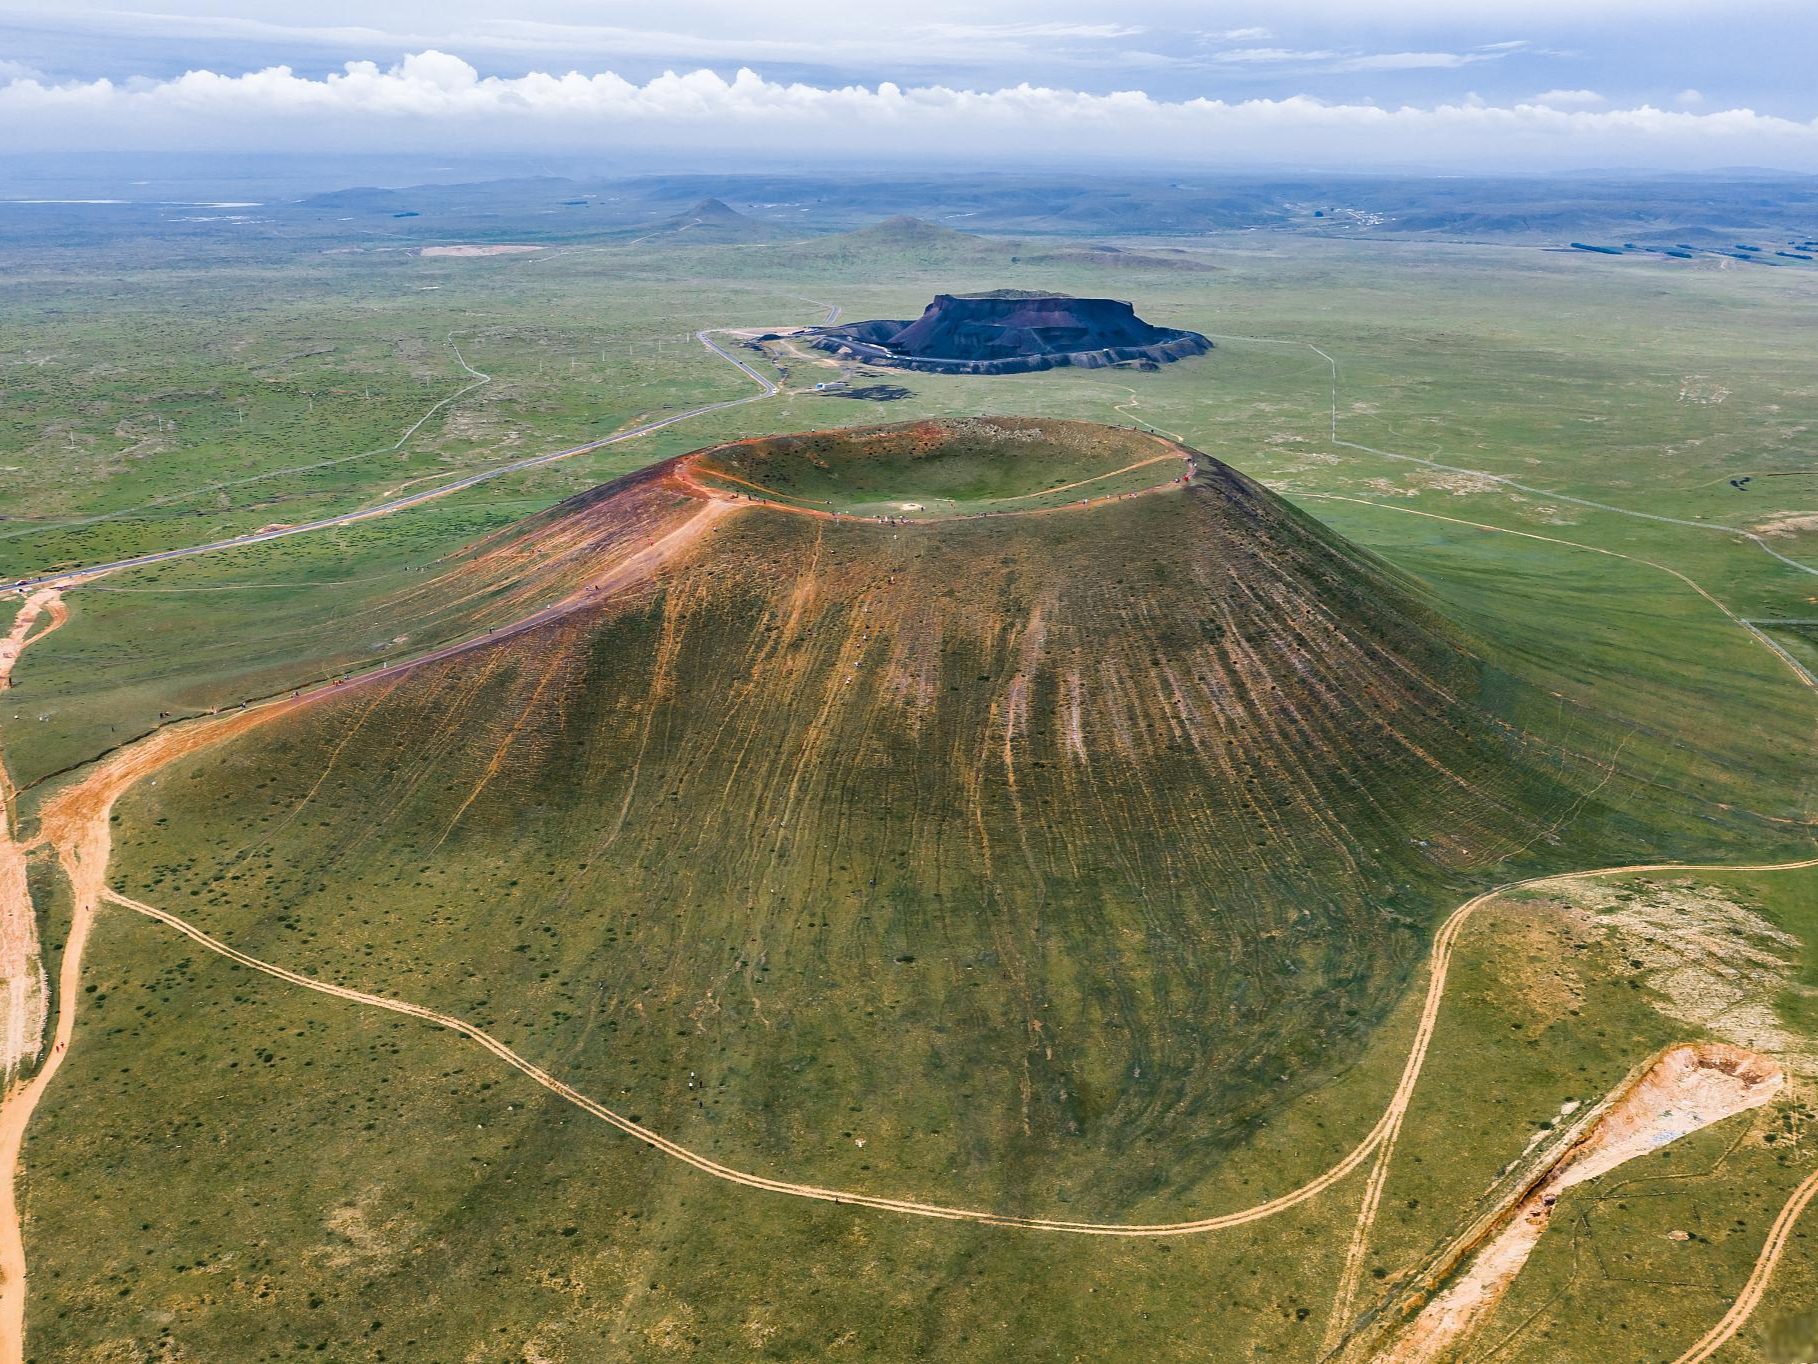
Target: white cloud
{"x":434,"y":99}
{"x":1420,"y":61}
{"x":1688,"y":99}
{"x":1570,"y":99}
{"x":1270,"y":56}
{"x":1347,"y":60}
{"x":850,"y":41}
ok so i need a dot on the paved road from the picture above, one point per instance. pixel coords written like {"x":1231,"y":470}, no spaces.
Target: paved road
{"x":705,"y":337}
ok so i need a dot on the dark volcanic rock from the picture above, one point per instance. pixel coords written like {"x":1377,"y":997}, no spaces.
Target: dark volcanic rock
{"x":1010,"y":332}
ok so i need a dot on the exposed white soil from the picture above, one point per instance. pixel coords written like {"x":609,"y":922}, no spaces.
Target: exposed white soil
{"x":1795,"y":523}
{"x":1701,"y":389}
{"x":502,"y":250}
{"x":1712,"y":962}
{"x":1686,"y":1089}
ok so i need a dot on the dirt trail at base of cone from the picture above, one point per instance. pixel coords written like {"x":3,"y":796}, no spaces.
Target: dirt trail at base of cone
{"x":77,"y":827}
{"x":1351,"y":1275}
{"x":1444,"y":945}
{"x":22,"y":969}
{"x":1443,"y":948}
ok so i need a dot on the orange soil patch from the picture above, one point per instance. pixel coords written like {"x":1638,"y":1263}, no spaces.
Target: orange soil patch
{"x":21,"y":972}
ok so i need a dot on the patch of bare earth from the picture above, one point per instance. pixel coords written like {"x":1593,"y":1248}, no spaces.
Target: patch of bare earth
{"x":466,"y":251}
{"x":1701,"y":389}
{"x":1457,"y":484}
{"x":1685,"y":1089}
{"x":1533,"y":960}
{"x":1711,"y":961}
{"x":24,"y":992}
{"x":358,"y":1234}
{"x":1796,"y":523}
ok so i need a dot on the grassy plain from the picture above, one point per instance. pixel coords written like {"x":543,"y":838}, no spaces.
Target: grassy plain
{"x":277,"y":1173}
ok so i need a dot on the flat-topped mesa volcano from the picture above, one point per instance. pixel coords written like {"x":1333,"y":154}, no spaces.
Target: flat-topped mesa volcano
{"x":1057,"y":809}
{"x":1011,"y":331}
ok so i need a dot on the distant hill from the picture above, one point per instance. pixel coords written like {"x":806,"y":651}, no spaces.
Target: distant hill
{"x":904,"y":230}
{"x":921,"y":242}
{"x":1044,"y":219}
{"x":716,"y":221}
{"x":913,"y":239}
{"x":1098,"y":256}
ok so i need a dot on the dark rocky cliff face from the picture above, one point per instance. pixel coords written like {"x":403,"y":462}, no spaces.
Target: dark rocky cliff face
{"x":1007,"y":333}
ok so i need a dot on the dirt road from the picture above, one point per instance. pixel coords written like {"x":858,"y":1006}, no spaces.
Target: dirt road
{"x":21,"y":970}
{"x":1351,"y":1274}
{"x":705,"y":337}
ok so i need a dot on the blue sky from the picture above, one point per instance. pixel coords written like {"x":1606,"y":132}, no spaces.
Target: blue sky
{"x":1674,"y":84}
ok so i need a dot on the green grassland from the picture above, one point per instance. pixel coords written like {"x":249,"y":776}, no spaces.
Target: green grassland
{"x":227,"y":1167}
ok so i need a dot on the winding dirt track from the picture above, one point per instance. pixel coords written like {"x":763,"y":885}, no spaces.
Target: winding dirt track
{"x":69,"y":577}
{"x":21,"y":974}
{"x":1391,"y":1118}
{"x":1756,"y":1286}
{"x":19,"y":961}
{"x":77,"y":824}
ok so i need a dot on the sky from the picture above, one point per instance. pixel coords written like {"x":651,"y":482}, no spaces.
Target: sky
{"x":1484,"y":85}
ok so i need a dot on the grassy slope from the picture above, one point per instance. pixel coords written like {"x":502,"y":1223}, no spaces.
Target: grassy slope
{"x":818,"y":717}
